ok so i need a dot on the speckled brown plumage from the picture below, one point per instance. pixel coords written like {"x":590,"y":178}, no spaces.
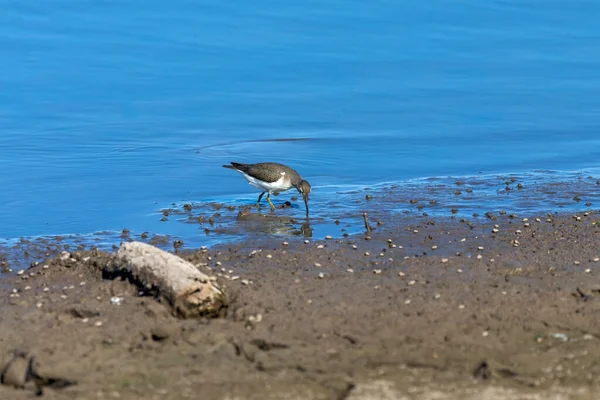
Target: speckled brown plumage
{"x":267,"y":172}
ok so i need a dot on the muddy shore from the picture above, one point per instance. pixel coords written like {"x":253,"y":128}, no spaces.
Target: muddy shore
{"x":421,"y":308}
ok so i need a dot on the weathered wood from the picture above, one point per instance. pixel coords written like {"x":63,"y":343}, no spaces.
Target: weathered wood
{"x":189,"y":292}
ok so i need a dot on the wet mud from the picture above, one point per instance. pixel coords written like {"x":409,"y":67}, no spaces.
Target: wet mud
{"x":502,"y":306}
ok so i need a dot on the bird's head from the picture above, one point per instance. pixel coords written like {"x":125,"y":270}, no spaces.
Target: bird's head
{"x":304,"y":189}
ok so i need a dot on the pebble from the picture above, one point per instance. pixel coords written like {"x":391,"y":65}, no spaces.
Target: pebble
{"x":354,"y":246}
{"x":588,"y":270}
{"x":63,"y":296}
{"x":463,"y":239}
{"x":407,"y":301}
{"x":85,"y":320}
{"x":518,"y":232}
{"x":245,"y":282}
{"x":46,"y":289}
{"x":328,"y":237}
{"x":317,"y":265}
{"x":321,"y":275}
{"x":349,"y":270}
{"x":596,"y":259}
{"x":389,"y":240}
{"x":410,"y":283}
{"x":116,"y":300}
{"x":285,"y":243}
{"x":39,"y":305}
{"x":367,"y":253}
{"x":98,"y":323}
{"x":81,"y":283}
{"x":480,"y":248}
{"x":27,"y":288}
{"x":320,"y":246}
{"x":495,"y":230}
{"x":376,"y":271}
{"x":21,"y":272}
{"x":415,"y":231}
{"x":434,"y":247}
{"x":444,"y":260}
{"x":235,"y":278}
{"x":437,"y":296}
{"x":526,"y":224}
{"x":45,"y":266}
{"x":538,"y":220}
{"x":306,"y":241}
{"x":576,"y":262}
{"x":461,"y":306}
{"x":269,"y":256}
{"x":459,"y":270}
{"x":485,"y":333}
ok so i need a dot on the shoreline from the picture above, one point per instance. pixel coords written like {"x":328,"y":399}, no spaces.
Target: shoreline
{"x":420,"y":306}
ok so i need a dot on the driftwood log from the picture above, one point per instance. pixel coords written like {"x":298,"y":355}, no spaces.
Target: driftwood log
{"x":189,"y":292}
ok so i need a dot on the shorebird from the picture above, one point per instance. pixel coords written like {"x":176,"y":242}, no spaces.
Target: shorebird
{"x":272,"y":178}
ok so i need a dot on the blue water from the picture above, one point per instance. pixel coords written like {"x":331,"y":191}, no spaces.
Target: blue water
{"x":111,"y":111}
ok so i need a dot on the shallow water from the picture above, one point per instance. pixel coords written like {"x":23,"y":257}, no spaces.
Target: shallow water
{"x":111,"y":112}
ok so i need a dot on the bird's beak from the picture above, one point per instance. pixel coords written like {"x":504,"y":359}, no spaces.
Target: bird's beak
{"x":306,"y":204}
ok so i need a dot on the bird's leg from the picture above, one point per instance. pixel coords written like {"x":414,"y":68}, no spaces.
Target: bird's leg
{"x":259,"y":197}
{"x":269,"y":200}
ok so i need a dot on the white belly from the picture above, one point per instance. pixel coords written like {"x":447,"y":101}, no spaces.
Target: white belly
{"x":279,"y":185}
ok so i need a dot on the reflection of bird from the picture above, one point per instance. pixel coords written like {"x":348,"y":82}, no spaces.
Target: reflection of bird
{"x":272,"y":178}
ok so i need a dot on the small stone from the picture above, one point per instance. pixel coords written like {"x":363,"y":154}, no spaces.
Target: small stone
{"x":444,"y":260}
{"x":479,"y":256}
{"x":350,"y":270}
{"x":437,"y":296}
{"x":354,"y":246}
{"x":411,"y":283}
{"x":596,"y":259}
{"x":377,"y":271}
{"x":415,"y":231}
{"x":407,"y":301}
{"x":461,"y":306}
{"x":576,"y":262}
{"x":485,"y":333}
{"x":495,"y":230}
{"x":401,"y":274}
{"x":46,"y":289}
{"x":285,"y":243}
{"x":328,"y":237}
{"x":98,"y":323}
{"x":434,"y":247}
{"x":317,"y":265}
{"x":39,"y":305}
{"x":45,"y":266}
{"x":480,"y":248}
{"x":245,"y":282}
{"x":459,"y":270}
{"x":588,"y":270}
{"x":320,"y":246}
{"x":27,"y":288}
{"x":306,"y":241}
{"x":321,"y":275}
{"x":269,"y":256}
{"x":63,"y":296}
{"x":21,"y":272}
{"x":367,"y":253}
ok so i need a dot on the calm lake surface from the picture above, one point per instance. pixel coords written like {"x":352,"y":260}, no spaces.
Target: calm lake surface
{"x":111,"y":111}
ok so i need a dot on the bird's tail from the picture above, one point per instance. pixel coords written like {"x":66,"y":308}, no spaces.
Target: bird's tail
{"x":234,"y":165}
